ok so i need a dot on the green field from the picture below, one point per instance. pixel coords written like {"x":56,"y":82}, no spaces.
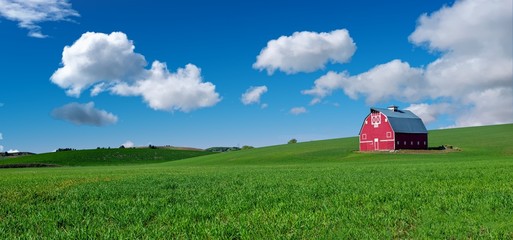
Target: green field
{"x":314,"y":190}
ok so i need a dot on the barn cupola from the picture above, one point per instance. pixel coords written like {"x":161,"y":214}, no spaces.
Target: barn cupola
{"x":393,"y":108}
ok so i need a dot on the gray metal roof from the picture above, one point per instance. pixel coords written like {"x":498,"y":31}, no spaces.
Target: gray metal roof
{"x":403,"y":121}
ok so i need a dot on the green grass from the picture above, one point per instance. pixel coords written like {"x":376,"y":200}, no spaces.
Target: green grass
{"x":102,"y":157}
{"x":315,"y":190}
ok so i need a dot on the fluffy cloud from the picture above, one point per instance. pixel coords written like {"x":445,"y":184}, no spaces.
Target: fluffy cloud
{"x":128,"y":144}
{"x":430,"y":112}
{"x":162,"y":90}
{"x":253,"y":94}
{"x":13,"y":151}
{"x":97,"y":57}
{"x":305,"y":51}
{"x":298,"y":110}
{"x":1,"y":137}
{"x":29,"y":13}
{"x":472,"y":74}
{"x":392,"y":80}
{"x":108,"y":63}
{"x":84,"y":114}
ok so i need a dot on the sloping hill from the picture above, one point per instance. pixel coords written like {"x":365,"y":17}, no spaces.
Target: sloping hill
{"x":474,"y":143}
{"x":103,"y":157}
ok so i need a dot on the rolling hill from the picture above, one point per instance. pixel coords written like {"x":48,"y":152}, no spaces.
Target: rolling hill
{"x":474,"y":142}
{"x":105,"y":157}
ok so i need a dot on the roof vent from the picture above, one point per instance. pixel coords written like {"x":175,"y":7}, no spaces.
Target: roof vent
{"x":392,"y":108}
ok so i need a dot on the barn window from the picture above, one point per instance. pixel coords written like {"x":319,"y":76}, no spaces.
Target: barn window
{"x":411,"y":143}
{"x":364,"y":136}
{"x":398,"y":143}
{"x":404,"y":143}
{"x":418,"y":143}
{"x":389,"y":134}
{"x":424,"y":143}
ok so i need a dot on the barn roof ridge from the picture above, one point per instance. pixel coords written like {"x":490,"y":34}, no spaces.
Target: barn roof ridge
{"x":403,"y":121}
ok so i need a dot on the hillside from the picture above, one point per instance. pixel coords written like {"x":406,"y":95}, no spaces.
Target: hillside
{"x":103,"y":157}
{"x":494,"y":142}
{"x":474,"y":143}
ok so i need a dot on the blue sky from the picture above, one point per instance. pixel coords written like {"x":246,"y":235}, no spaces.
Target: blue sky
{"x":233,"y":73}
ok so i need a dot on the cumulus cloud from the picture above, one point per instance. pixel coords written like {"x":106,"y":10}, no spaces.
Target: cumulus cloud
{"x":84,"y":114}
{"x":253,"y":94}
{"x":163,"y":90}
{"x":472,"y":74}
{"x":298,"y":110}
{"x":29,"y":13}
{"x":430,"y":112}
{"x":107,"y":62}
{"x":305,"y":51}
{"x":128,"y":144}
{"x":97,"y":57}
{"x":13,"y":151}
{"x":1,"y":148}
{"x":392,"y":80}
{"x":1,"y":137}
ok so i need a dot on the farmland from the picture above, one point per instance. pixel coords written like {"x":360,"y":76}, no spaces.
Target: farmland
{"x":320,"y":189}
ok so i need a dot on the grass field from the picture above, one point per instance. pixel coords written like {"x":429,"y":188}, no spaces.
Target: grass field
{"x":322,"y":189}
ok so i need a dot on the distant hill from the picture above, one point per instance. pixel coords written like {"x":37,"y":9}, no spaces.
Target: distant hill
{"x":472,"y":142}
{"x":102,"y":157}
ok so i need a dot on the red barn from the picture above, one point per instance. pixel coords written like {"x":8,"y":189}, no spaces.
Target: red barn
{"x":391,"y":129}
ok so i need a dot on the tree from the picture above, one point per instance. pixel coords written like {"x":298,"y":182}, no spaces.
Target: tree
{"x":246,"y":147}
{"x":292,"y":141}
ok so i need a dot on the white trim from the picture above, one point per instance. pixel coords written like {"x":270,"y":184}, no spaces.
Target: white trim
{"x":366,"y":141}
{"x":387,"y":140}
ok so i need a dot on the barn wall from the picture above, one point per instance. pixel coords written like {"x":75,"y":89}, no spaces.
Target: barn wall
{"x":411,"y":141}
{"x":376,"y":133}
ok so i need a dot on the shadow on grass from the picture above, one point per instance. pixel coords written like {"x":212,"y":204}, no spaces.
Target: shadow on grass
{"x":28,"y":165}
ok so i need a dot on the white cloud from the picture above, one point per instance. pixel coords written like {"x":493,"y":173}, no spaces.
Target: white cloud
{"x":429,"y":112}
{"x":84,"y":114}
{"x":29,"y":13}
{"x":392,"y":80}
{"x":1,"y":148}
{"x":128,"y":144}
{"x":108,"y":63}
{"x":13,"y":151}
{"x":97,"y":57}
{"x":298,"y":110}
{"x":1,"y":137}
{"x":473,"y":73}
{"x":253,"y":94}
{"x":163,"y":90}
{"x":491,"y":106}
{"x":305,"y":51}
